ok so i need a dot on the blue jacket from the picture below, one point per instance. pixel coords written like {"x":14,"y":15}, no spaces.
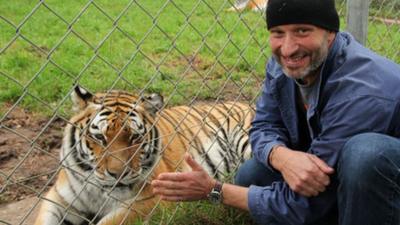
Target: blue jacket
{"x":359,"y":91}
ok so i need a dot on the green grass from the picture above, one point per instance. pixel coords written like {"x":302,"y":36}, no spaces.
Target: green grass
{"x":383,"y":40}
{"x":199,"y":213}
{"x":181,"y":49}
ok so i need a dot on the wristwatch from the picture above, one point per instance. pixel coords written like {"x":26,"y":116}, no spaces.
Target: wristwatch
{"x":215,"y":196}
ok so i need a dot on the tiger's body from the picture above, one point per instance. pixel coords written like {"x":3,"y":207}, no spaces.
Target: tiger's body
{"x":254,"y":5}
{"x":117,"y":143}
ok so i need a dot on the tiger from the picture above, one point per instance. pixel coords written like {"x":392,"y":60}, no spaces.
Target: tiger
{"x":117,"y":142}
{"x":254,"y":5}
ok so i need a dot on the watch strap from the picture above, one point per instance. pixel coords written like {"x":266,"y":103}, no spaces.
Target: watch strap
{"x":215,"y":196}
{"x":218,"y":187}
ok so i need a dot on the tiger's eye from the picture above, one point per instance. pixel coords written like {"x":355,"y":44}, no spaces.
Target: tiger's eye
{"x":135,"y":136}
{"x":99,"y":137}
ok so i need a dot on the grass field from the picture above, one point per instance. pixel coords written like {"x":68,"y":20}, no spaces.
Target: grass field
{"x":184,"y":50}
{"x":199,"y":213}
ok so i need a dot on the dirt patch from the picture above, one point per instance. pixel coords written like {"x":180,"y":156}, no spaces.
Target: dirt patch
{"x":29,"y":148}
{"x":21,"y":212}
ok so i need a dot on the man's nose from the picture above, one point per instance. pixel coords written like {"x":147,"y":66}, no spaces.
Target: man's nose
{"x":289,"y":46}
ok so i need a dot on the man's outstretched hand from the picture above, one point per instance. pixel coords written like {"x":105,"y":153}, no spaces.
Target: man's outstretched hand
{"x":184,"y":186}
{"x":305,"y":173}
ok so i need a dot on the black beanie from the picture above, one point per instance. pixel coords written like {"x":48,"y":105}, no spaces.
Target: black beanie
{"x":321,"y":13}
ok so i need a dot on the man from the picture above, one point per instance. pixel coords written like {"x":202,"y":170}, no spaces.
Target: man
{"x":325,"y":135}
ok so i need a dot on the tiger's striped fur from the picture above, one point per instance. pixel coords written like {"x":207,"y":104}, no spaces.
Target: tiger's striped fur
{"x":254,"y":5}
{"x":118,"y":142}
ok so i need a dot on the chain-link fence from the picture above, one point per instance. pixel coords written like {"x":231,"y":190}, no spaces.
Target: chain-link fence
{"x":198,"y":52}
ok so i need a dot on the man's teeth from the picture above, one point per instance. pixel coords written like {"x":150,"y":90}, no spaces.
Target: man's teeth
{"x":297,"y":58}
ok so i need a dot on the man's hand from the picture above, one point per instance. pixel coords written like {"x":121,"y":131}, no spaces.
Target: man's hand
{"x":305,"y":173}
{"x":185,"y":186}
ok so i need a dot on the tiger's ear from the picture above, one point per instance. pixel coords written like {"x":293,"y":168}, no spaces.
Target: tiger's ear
{"x":153,"y":103}
{"x":80,"y":98}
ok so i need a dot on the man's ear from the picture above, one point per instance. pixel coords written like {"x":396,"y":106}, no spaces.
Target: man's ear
{"x":80,"y":98}
{"x":331,"y":37}
{"x":153,"y":103}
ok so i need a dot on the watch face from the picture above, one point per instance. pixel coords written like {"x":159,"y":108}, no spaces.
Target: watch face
{"x":214,"y":196}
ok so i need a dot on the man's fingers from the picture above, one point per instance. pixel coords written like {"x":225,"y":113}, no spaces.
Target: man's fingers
{"x":322,"y":175}
{"x":167,"y":188}
{"x":174,"y":176}
{"x":310,"y":186}
{"x":309,"y":193}
{"x":183,"y":186}
{"x":309,"y":183}
{"x":174,"y":198}
{"x":306,"y":190}
{"x":323,"y":179}
{"x":167,"y":184}
{"x":167,"y":191}
{"x":193,"y":164}
{"x":316,"y":185}
{"x":186,"y":194}
{"x":175,"y":191}
{"x":169,"y":195}
{"x":320,"y":187}
{"x":171,"y":198}
{"x":320,"y":178}
{"x":322,"y":165}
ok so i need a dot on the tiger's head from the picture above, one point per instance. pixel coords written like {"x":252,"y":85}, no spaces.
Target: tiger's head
{"x":112,"y":138}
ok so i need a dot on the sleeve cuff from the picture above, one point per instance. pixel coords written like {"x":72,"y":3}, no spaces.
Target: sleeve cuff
{"x":267,"y":151}
{"x":256,"y":208}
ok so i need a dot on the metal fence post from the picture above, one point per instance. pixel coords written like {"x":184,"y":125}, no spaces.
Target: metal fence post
{"x":357,"y":19}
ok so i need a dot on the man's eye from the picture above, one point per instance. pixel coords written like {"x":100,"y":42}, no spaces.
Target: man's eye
{"x":303,"y":31}
{"x":277,"y":34}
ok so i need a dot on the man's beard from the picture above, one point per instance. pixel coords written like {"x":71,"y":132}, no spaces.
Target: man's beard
{"x":317,"y":59}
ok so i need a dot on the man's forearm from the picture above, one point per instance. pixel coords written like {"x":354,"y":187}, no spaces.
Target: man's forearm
{"x":235,"y":196}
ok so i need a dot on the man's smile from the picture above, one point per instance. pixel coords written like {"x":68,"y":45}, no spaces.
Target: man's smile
{"x":295,"y":62}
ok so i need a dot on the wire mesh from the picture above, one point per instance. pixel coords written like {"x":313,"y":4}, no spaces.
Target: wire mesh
{"x":190,"y":52}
